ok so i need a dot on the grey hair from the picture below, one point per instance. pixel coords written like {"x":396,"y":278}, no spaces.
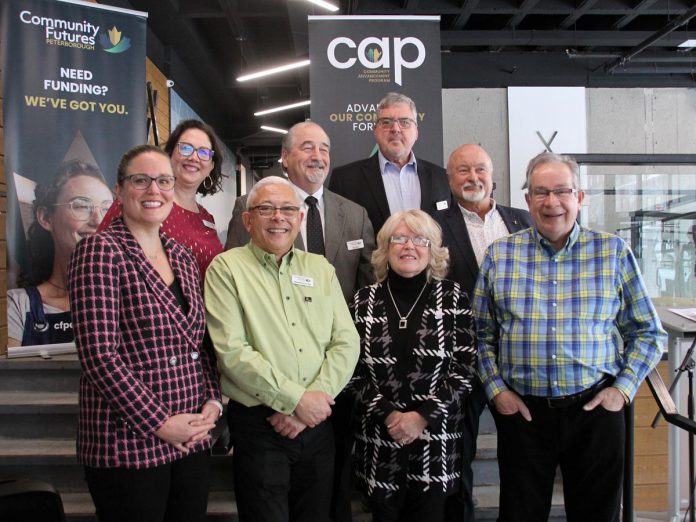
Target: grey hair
{"x":289,"y":139}
{"x":269,"y":180}
{"x":392,"y":98}
{"x":552,"y":157}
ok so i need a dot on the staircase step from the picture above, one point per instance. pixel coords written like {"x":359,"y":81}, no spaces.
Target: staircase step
{"x":20,"y":412}
{"x":60,"y":373}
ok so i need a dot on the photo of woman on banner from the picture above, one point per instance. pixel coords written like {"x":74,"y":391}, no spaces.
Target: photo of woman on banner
{"x":66,"y":209}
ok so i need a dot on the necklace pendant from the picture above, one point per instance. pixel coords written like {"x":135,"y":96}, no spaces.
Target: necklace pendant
{"x":403,"y":323}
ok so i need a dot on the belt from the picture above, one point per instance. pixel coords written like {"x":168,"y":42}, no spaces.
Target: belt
{"x":569,"y":400}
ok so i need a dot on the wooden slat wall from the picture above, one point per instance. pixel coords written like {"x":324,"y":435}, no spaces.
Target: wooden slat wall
{"x":650,"y":455}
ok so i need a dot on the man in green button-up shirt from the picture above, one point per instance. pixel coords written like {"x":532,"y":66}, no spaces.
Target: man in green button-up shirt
{"x":286,"y":346}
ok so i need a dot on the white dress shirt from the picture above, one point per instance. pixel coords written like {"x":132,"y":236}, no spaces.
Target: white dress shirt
{"x":401,"y":185}
{"x":482,"y":232}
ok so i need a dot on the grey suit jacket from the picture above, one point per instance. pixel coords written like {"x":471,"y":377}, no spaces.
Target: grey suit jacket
{"x":463,"y":267}
{"x":344,"y":221}
{"x":361,"y":182}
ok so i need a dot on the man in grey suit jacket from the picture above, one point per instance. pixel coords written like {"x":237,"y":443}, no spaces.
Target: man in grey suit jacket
{"x":347,"y":232}
{"x":393,"y":179}
{"x":473,"y":221}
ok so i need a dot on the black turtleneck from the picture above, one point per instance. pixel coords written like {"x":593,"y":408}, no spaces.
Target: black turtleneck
{"x":405,"y":291}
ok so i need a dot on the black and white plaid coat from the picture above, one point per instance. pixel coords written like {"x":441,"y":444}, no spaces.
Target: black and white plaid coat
{"x":433,"y":378}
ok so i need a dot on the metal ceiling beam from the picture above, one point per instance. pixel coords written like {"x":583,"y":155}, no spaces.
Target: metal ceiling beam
{"x":462,"y":18}
{"x":638,"y":10}
{"x":555,"y":38}
{"x":581,"y":10}
{"x":524,"y":9}
{"x":671,"y":26}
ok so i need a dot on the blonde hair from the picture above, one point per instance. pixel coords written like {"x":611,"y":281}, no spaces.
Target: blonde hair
{"x":422,"y":225}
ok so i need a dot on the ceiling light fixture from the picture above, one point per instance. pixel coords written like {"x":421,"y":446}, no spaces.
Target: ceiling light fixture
{"x":282,"y":108}
{"x":688,"y":44}
{"x":274,"y":129}
{"x":273,"y":70}
{"x":325,"y":5}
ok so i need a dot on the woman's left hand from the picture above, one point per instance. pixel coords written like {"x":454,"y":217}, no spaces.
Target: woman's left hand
{"x":211,"y":413}
{"x":405,"y":427}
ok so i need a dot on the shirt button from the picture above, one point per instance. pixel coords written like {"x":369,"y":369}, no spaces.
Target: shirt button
{"x":173,"y":359}
{"x":553,"y":328}
{"x":555,"y":282}
{"x":555,"y":383}
{"x":194,"y":356}
{"x":293,"y":324}
{"x":300,"y":350}
{"x":553,"y":356}
{"x":554,"y":305}
{"x":287,"y":297}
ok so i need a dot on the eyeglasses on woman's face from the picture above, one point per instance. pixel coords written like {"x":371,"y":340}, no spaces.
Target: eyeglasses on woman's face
{"x":186,"y":149}
{"x":416,"y":240}
{"x":143,"y":181}
{"x":82,"y":208}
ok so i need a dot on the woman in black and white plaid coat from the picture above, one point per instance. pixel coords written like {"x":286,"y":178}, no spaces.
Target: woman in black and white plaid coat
{"x":416,"y":367}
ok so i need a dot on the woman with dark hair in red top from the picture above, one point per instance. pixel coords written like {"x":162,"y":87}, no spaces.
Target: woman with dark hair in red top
{"x":196,"y":158}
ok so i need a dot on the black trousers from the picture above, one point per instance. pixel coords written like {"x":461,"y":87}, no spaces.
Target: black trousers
{"x":277,"y":479}
{"x":587,"y":445}
{"x":460,"y":507}
{"x":341,"y":510}
{"x":410,"y":505}
{"x":175,"y":492}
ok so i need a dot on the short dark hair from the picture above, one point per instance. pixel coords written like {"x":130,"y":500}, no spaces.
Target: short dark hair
{"x":216,"y":174}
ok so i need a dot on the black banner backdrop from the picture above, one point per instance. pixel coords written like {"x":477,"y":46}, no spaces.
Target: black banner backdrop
{"x":356,"y":60}
{"x":74,"y":89}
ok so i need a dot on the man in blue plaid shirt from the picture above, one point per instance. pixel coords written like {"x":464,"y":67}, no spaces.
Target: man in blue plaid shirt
{"x":552,"y":305}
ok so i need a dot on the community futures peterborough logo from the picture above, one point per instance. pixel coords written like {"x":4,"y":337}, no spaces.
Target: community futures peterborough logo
{"x":114,"y":43}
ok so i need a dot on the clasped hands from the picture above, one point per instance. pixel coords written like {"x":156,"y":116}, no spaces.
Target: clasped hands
{"x":184,"y":430}
{"x":314,"y":408}
{"x":405,"y":427}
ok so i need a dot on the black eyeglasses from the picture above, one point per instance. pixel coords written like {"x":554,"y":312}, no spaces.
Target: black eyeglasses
{"x":404,"y":123}
{"x":83,"y":208}
{"x":417,"y":240}
{"x":186,"y":149}
{"x":564,"y":194}
{"x":269,"y":210}
{"x":143,"y":181}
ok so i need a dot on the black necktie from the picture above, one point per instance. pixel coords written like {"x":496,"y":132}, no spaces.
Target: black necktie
{"x":315,"y":236}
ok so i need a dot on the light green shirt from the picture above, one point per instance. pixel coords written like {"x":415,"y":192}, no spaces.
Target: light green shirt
{"x":278,"y":331}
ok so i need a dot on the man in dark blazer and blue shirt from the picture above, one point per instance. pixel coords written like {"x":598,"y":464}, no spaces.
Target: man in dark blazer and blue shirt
{"x":471,"y":223}
{"x":393,"y":179}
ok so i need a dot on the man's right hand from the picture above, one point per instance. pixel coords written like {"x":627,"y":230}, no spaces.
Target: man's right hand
{"x":314,"y":407}
{"x":508,"y":403}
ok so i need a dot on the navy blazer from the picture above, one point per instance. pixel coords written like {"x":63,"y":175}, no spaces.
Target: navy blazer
{"x":143,"y":358}
{"x":463,"y":265}
{"x":361,"y":182}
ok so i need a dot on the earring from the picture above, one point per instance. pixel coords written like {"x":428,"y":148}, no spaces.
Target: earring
{"x":208,"y":183}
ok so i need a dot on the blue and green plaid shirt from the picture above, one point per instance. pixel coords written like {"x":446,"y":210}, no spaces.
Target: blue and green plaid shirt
{"x":547,"y":321}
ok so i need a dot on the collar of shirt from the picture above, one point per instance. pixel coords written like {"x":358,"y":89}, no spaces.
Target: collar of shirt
{"x":319,"y":194}
{"x":384,"y":162}
{"x":548,"y":247}
{"x":474,"y":217}
{"x":267,"y":259}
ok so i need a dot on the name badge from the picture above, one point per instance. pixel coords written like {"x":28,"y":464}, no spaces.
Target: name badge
{"x":441,"y":205}
{"x":208,"y":224}
{"x":355,"y":244}
{"x":302,"y":280}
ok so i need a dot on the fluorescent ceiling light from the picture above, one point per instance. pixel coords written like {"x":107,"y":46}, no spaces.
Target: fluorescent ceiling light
{"x":687,"y":43}
{"x":273,"y":70}
{"x":325,"y":5}
{"x":282,"y":108}
{"x":273,"y":129}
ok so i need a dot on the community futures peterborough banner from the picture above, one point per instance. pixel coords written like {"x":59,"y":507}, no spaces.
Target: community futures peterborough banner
{"x":74,"y":99}
{"x":356,"y":60}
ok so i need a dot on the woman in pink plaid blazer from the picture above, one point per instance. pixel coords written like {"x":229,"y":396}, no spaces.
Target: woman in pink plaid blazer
{"x":149,"y":392}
